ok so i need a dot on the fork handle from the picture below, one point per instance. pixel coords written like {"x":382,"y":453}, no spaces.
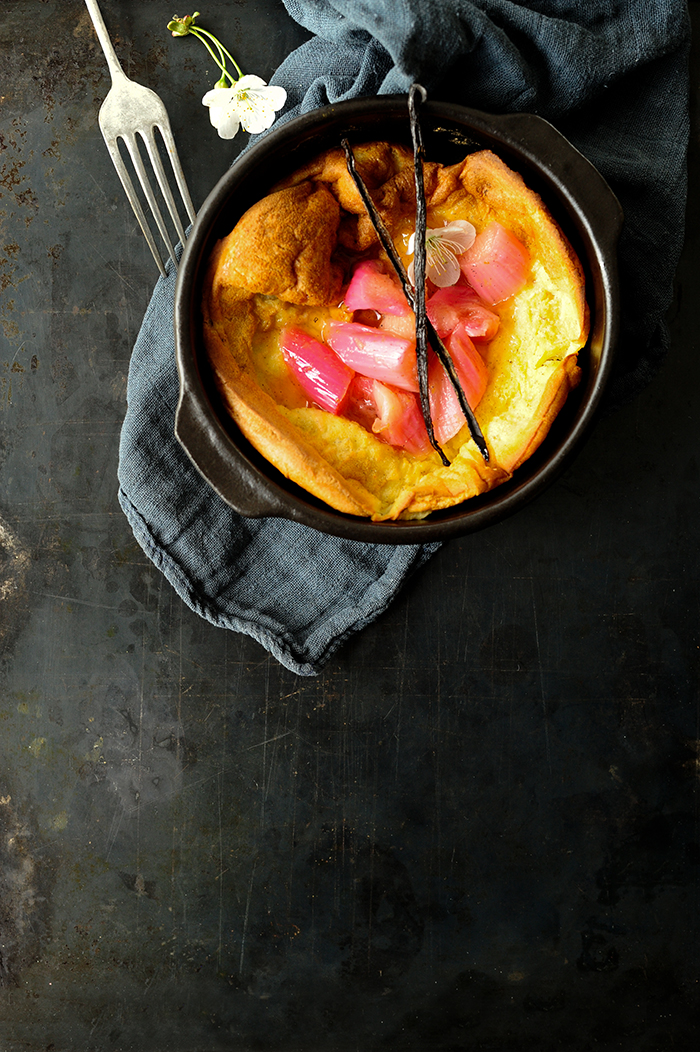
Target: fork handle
{"x":113,"y":62}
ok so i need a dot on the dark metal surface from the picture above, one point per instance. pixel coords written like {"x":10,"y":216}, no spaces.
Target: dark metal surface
{"x":477,"y":829}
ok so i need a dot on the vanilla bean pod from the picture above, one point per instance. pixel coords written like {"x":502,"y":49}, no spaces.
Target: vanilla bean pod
{"x":419,"y":265}
{"x":430,"y":335}
{"x":424,"y":328}
{"x":395,"y":260}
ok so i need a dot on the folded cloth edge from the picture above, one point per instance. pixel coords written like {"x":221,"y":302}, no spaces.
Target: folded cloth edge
{"x":276,"y":640}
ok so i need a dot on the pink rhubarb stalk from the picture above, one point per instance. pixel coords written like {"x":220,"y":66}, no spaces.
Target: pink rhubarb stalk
{"x":497,"y":265}
{"x":324,"y":378}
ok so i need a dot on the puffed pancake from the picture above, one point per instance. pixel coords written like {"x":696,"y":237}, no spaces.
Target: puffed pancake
{"x":299,"y":297}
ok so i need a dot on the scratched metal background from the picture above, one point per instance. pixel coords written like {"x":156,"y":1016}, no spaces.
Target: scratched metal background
{"x":478,"y":829}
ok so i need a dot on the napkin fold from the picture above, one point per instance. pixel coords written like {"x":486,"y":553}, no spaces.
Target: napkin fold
{"x":612,"y":76}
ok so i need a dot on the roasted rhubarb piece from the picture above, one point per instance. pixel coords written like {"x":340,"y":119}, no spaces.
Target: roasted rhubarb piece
{"x":497,"y":265}
{"x":374,"y":352}
{"x":399,"y":419}
{"x":323,"y":376}
{"x":460,"y":305}
{"x":447,"y":414}
{"x":374,"y":286}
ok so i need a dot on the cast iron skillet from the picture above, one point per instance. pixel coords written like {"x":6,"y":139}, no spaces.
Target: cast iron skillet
{"x":575,"y":193}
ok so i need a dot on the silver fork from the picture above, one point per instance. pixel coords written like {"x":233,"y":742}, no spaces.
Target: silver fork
{"x":130,"y":109}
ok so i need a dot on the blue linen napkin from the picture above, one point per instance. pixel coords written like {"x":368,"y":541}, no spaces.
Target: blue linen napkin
{"x":612,"y":76}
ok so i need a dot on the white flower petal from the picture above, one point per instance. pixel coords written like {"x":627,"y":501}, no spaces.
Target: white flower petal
{"x":445,"y":273}
{"x":249,"y":81}
{"x":227,"y":126}
{"x":218,"y":97}
{"x":256,"y":105}
{"x":277,"y":96}
{"x":257,"y":121}
{"x":223,"y":113}
{"x":459,"y":234}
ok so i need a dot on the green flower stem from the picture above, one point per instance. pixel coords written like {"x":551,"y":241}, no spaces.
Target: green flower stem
{"x":182,"y":27}
{"x":218,"y":61}
{"x":198,"y":31}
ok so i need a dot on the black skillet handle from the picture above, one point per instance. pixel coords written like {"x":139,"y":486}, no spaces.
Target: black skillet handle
{"x":209,"y":448}
{"x":576,"y":178}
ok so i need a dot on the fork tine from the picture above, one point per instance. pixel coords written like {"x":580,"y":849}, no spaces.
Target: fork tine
{"x":169,"y":141}
{"x":132,"y":109}
{"x":132,"y":147}
{"x":164,"y":185}
{"x":133,"y":199}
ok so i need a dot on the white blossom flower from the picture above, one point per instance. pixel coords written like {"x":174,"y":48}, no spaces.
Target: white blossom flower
{"x":248,"y":102}
{"x":442,"y":247}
